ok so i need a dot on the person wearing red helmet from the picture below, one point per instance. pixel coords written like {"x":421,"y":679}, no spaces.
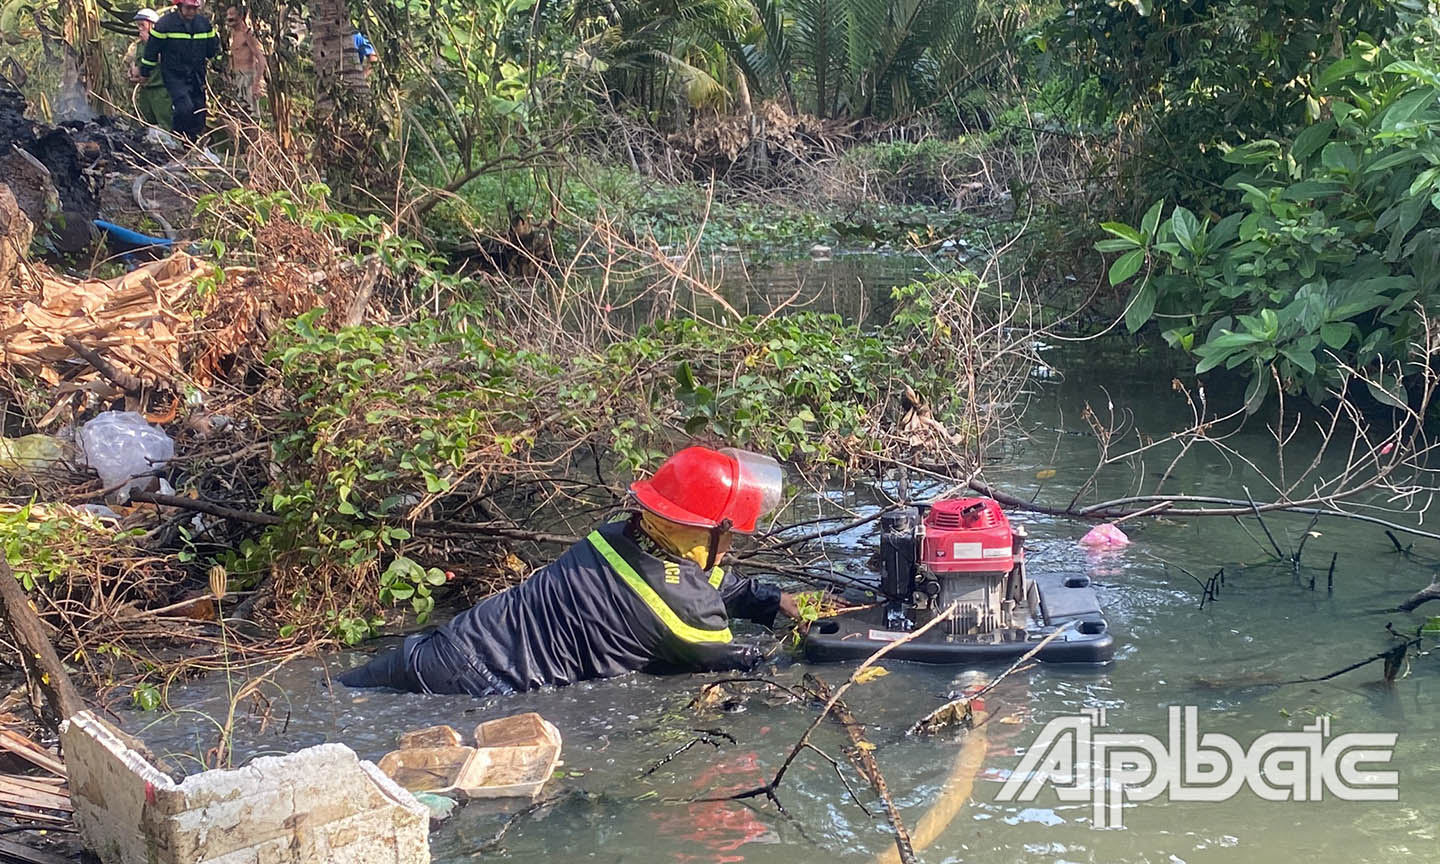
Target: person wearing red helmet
{"x":641,"y":592}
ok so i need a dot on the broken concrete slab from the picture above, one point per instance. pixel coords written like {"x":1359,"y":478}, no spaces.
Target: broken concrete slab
{"x":322,"y":804}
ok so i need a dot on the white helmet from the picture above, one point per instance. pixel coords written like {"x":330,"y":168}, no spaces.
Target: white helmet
{"x":147,"y":15}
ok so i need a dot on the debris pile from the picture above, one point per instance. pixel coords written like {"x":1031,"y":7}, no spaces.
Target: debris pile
{"x":39,"y":795}
{"x":147,"y":336}
{"x":759,"y":139}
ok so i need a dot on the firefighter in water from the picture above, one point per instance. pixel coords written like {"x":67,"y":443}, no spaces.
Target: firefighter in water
{"x":181,"y":44}
{"x":645,"y":591}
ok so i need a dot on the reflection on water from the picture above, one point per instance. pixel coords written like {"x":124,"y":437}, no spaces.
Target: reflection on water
{"x":1268,"y":623}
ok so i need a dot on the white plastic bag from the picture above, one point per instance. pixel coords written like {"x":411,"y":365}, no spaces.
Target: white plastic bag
{"x":124,"y":449}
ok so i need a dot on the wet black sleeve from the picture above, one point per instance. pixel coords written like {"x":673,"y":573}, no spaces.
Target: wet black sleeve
{"x":750,"y":599}
{"x":710,"y":657}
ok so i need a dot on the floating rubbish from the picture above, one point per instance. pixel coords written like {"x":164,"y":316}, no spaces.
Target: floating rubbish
{"x":33,"y":453}
{"x":439,"y":806}
{"x":820,"y":252}
{"x":1105,"y":536}
{"x":124,"y":450}
{"x":512,"y":758}
{"x":433,"y":736}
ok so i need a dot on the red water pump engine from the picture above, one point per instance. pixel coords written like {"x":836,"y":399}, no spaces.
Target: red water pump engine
{"x":962,"y":551}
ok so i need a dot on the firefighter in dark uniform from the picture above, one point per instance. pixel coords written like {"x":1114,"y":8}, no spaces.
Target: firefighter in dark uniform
{"x":643,"y":592}
{"x":180,"y":46}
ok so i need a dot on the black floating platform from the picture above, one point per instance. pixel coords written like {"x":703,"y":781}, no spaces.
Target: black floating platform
{"x":857,"y":635}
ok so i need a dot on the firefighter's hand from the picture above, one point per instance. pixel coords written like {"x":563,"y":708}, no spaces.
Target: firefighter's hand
{"x":791,"y":609}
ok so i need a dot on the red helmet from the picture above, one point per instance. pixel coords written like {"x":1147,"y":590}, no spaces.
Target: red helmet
{"x":705,"y":488}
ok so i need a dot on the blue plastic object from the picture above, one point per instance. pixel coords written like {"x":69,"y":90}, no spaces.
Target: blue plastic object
{"x":132,"y":240}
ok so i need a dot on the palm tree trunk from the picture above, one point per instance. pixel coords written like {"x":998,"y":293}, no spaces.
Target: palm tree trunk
{"x":332,"y":41}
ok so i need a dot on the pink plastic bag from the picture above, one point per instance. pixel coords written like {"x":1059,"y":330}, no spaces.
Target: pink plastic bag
{"x":1105,"y":536}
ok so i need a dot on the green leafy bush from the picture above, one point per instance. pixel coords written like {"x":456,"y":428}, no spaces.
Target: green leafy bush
{"x":1331,"y":257}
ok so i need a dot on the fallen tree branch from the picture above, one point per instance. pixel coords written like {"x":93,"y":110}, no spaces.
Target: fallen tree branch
{"x":206,"y":507}
{"x":1110,"y":511}
{"x":38,"y":659}
{"x":1424,"y":595}
{"x":863,"y":755}
{"x":768,"y":790}
{"x":119,"y":377}
{"x":429,"y":528}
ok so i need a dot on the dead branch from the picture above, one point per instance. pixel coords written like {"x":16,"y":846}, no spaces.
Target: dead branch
{"x":42,"y":666}
{"x":119,"y":377}
{"x":862,"y":754}
{"x":768,"y":790}
{"x":1424,"y":595}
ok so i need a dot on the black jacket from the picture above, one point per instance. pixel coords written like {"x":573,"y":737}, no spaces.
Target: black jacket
{"x":180,"y":47}
{"x":613,"y":603}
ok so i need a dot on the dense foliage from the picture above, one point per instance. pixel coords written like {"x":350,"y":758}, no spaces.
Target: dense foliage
{"x":1328,"y":257}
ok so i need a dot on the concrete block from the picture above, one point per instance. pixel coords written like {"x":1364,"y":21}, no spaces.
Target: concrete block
{"x":322,"y":804}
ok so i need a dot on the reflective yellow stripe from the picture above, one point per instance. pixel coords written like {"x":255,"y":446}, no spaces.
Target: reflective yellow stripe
{"x":208,"y":34}
{"x":149,"y":63}
{"x":647,"y":594}
{"x":716,"y":577}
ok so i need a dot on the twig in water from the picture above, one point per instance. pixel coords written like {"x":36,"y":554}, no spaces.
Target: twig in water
{"x":841,"y":774}
{"x":1392,"y":656}
{"x":1255,"y":508}
{"x":1399,"y":550}
{"x":1250,"y":534}
{"x":768,"y":790}
{"x":702,"y":736}
{"x":1424,"y":595}
{"x":514,"y":818}
{"x":863,"y":756}
{"x":1330,"y":577}
{"x":1300,"y":550}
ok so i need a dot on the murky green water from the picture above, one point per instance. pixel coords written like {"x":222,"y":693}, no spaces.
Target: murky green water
{"x":1268,"y":622}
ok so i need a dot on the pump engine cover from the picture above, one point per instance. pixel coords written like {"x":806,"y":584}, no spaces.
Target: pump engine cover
{"x":967,"y":535}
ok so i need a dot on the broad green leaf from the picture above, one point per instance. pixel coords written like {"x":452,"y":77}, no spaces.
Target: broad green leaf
{"x":1393,"y":160}
{"x":1311,"y":139}
{"x":1388,"y":392}
{"x":1406,"y":107}
{"x":1151,"y":222}
{"x":1124,"y":232}
{"x":1253,"y":153}
{"x":1307,"y":190}
{"x":1126,"y":265}
{"x":1339,"y":157}
{"x":1304,"y":359}
{"x":1140,"y":307}
{"x":1185,"y":226}
{"x":1258,"y":389}
{"x":1114,"y":244}
{"x":1418,"y":71}
{"x":1424,"y":180}
{"x":1338,"y":70}
{"x":1335,"y":335}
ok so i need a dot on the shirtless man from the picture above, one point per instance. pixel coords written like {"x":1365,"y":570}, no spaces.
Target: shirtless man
{"x":247,"y":58}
